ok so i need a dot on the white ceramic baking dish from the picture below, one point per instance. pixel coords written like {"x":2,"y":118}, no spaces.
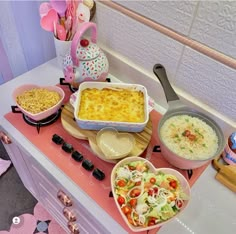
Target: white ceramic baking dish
{"x":97,"y":124}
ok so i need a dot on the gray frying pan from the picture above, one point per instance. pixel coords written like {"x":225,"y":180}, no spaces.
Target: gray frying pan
{"x":176,"y":107}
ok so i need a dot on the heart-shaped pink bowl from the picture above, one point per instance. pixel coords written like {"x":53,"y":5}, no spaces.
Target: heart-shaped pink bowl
{"x":148,"y":197}
{"x":44,"y":114}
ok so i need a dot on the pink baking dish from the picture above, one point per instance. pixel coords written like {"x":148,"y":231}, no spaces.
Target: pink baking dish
{"x":43,"y":114}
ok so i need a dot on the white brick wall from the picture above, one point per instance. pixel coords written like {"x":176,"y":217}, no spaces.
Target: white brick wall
{"x":200,"y":77}
{"x":210,"y":22}
{"x":138,"y":42}
{"x":215,"y":26}
{"x":177,"y":15}
{"x":208,"y":81}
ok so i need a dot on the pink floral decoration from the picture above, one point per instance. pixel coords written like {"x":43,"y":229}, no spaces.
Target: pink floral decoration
{"x":28,"y":223}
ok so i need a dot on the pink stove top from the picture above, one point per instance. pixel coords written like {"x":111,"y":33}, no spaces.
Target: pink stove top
{"x":98,"y":190}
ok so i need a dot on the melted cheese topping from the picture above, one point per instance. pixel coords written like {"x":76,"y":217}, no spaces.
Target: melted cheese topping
{"x":112,"y":104}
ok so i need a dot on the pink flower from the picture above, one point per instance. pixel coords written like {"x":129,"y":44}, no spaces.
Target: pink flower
{"x":38,"y":223}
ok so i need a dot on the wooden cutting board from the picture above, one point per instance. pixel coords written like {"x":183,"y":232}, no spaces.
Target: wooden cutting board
{"x":142,"y":139}
{"x":226,"y":173}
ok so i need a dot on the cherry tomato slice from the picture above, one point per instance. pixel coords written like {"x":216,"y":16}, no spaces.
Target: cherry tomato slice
{"x":133,"y":202}
{"x":152,"y":221}
{"x":186,"y":133}
{"x":192,"y":137}
{"x":121,"y":200}
{"x":153,"y":180}
{"x":179,"y":203}
{"x":138,"y":183}
{"x":173,"y":184}
{"x":126,"y":210}
{"x":155,"y":190}
{"x":121,"y":183}
{"x":131,"y":167}
{"x":150,"y":192}
{"x":135,"y":193}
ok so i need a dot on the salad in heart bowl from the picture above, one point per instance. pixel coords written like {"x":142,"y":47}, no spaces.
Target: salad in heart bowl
{"x":148,"y":197}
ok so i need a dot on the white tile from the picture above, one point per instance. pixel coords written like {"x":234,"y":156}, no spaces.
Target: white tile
{"x":215,"y":26}
{"x":209,"y":81}
{"x":176,"y":15}
{"x":137,"y":42}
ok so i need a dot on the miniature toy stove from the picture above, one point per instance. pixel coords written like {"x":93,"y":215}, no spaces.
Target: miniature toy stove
{"x":72,"y":166}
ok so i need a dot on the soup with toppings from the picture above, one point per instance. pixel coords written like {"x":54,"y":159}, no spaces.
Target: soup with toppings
{"x":189,"y":137}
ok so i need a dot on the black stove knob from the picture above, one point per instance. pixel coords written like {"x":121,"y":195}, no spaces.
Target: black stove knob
{"x":68,"y":148}
{"x":88,"y":165}
{"x":77,"y":156}
{"x":57,"y":139}
{"x":98,"y":174}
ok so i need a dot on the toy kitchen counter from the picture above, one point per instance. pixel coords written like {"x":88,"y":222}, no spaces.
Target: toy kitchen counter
{"x":56,"y":180}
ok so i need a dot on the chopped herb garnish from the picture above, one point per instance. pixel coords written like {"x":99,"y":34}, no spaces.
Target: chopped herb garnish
{"x":197,"y":131}
{"x":174,"y":208}
{"x":190,"y":151}
{"x":187,"y":120}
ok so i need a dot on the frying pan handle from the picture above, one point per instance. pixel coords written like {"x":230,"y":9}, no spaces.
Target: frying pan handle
{"x":160,"y":72}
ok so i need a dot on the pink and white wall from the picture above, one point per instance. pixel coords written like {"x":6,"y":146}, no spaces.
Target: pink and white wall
{"x":194,"y":40}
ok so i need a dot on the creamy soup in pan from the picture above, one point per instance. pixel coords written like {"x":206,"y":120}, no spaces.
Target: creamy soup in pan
{"x":189,"y":137}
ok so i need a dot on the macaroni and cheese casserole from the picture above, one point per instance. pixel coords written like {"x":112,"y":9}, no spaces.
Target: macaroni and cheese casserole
{"x":112,"y":104}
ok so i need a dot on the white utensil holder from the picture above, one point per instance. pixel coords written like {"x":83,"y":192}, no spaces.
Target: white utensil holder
{"x":62,"y":48}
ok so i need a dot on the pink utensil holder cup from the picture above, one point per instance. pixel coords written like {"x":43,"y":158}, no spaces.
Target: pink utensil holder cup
{"x":62,"y":49}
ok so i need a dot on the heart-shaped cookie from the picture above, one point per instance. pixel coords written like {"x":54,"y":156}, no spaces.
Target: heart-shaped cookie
{"x":113,"y":144}
{"x":148,"y":197}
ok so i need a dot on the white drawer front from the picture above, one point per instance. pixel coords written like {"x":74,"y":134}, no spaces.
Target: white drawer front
{"x":48,"y":187}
